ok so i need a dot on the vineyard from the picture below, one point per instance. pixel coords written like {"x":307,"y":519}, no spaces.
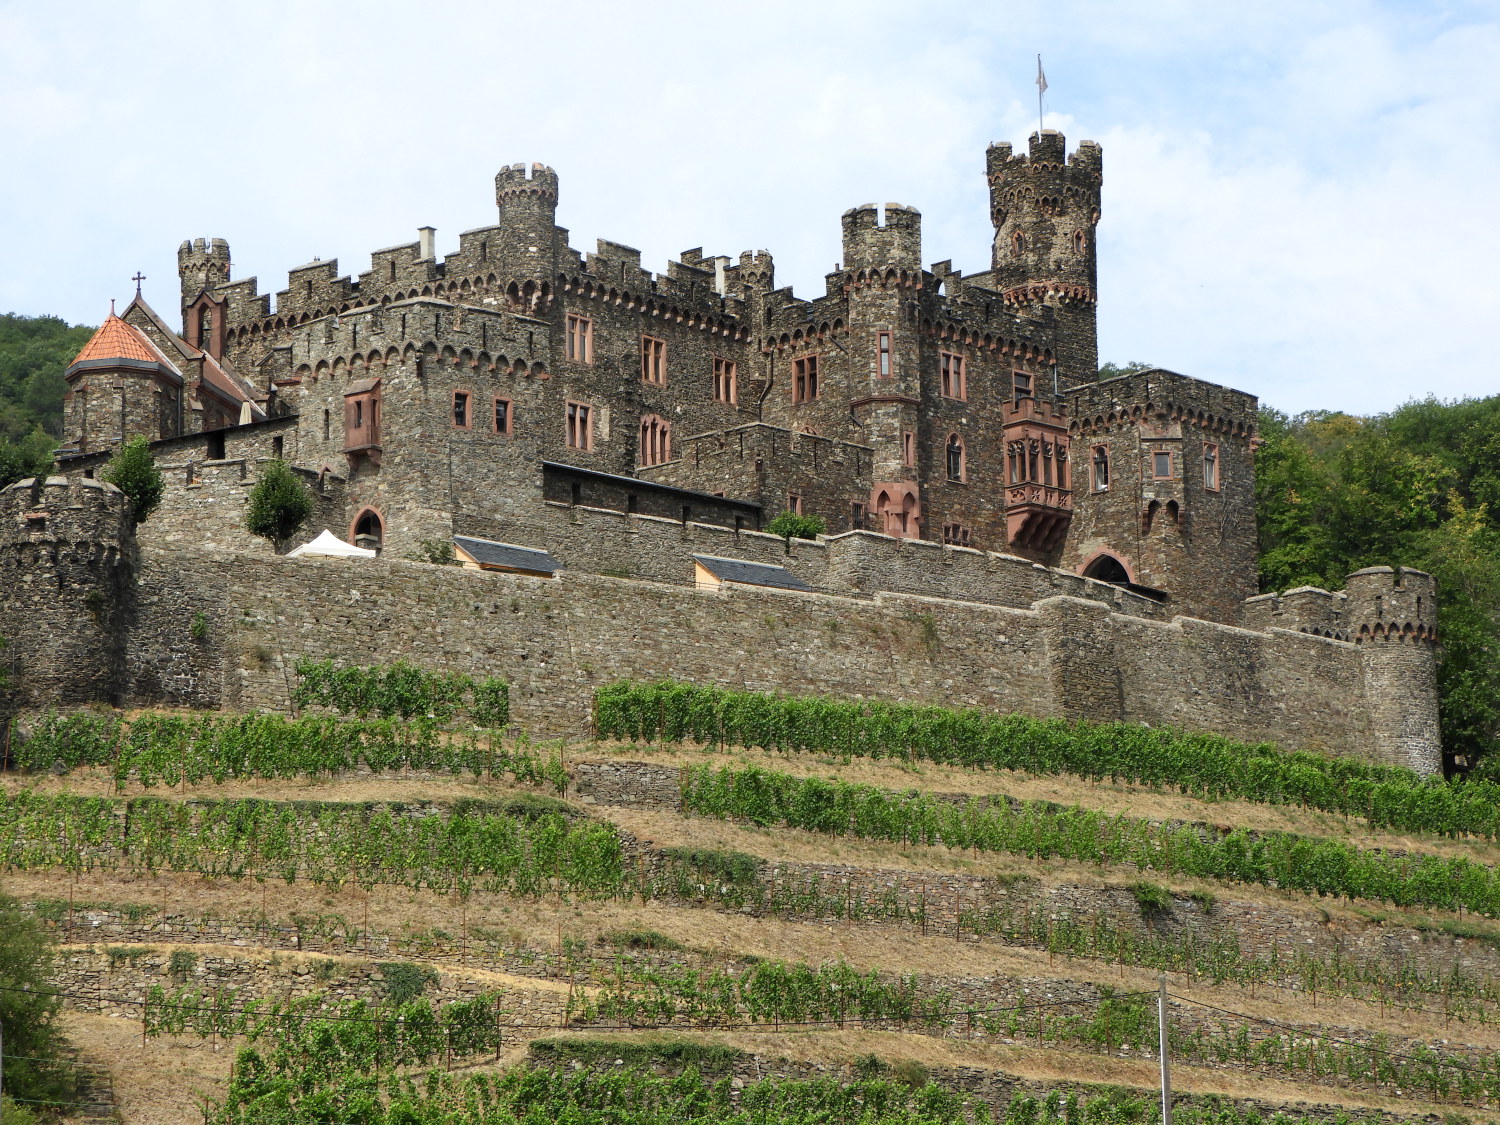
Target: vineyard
{"x":759,"y":941}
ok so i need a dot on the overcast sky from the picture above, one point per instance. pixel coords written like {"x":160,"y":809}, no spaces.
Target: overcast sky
{"x":1300,"y":198}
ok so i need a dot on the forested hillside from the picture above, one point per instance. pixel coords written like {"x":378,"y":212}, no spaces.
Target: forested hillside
{"x":1417,"y":487}
{"x":34,"y":353}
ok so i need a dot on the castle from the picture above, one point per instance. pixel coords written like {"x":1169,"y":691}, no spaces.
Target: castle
{"x":569,"y":418}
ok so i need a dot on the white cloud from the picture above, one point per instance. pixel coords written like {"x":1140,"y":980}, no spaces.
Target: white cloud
{"x":1297,"y":195}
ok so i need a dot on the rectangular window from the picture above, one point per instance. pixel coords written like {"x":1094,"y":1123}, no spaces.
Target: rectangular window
{"x":580,"y":427}
{"x":1020,"y":383}
{"x":805,"y":379}
{"x":653,"y":361}
{"x":1101,"y":468}
{"x":956,"y":535}
{"x":1161,"y":466}
{"x":461,"y":409}
{"x":724,"y":380}
{"x":1211,"y":467}
{"x":908,"y":449}
{"x":503,"y":415}
{"x":883,"y":353}
{"x":580,"y":339}
{"x":955,"y":380}
{"x":856,"y":515}
{"x":794,"y":503}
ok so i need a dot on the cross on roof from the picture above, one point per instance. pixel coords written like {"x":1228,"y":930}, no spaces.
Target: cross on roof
{"x":138,"y":278}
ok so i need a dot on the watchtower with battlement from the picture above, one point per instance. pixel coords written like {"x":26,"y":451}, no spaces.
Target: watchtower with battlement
{"x":1164,"y":489}
{"x":1045,"y":207}
{"x":65,"y":566}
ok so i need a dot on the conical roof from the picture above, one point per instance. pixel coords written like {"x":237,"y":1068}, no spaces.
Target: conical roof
{"x":117,"y":340}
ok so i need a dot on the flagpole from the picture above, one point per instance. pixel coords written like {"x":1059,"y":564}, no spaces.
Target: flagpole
{"x":1041,"y":85}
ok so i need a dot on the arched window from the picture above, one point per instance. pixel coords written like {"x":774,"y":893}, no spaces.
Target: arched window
{"x":1079,"y":242}
{"x":656,"y":440}
{"x":955,"y":450}
{"x":205,"y":326}
{"x":1017,"y":243}
{"x":369,"y":530}
{"x":1107,"y":568}
{"x":1101,"y":468}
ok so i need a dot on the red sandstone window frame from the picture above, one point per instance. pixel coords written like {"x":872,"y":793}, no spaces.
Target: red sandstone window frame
{"x":463,"y":400}
{"x":578,"y":425}
{"x":953,"y":370}
{"x":654,"y":361}
{"x":957,"y":469}
{"x":579,"y":347}
{"x":656,"y":440}
{"x":1156,"y":456}
{"x":805,"y":386}
{"x":794,"y":503}
{"x":1213,"y":469}
{"x":726,"y":380}
{"x":883,"y":354}
{"x":1099,"y":468}
{"x":957,"y":535}
{"x":510,"y":415}
{"x":908,"y":449}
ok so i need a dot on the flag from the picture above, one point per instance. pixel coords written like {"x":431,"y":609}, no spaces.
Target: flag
{"x":1041,"y":77}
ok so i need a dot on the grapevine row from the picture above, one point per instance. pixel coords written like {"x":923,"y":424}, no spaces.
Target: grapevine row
{"x":173,"y":749}
{"x":1043,"y":830}
{"x":1202,"y":764}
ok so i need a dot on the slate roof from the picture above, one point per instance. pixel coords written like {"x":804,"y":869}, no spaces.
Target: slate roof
{"x":488,"y":553}
{"x":750,"y":573}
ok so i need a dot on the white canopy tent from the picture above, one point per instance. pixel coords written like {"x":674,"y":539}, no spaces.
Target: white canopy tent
{"x":330,"y":546}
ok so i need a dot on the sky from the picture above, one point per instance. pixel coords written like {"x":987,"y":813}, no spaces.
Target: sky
{"x":1299,"y":197}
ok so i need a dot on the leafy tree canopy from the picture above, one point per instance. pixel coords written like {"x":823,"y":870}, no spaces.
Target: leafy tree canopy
{"x":133,"y":471}
{"x":34,"y":1069}
{"x":1115,"y":370}
{"x":279,"y":505}
{"x":789,"y":525}
{"x":34,"y":353}
{"x":1417,"y":487}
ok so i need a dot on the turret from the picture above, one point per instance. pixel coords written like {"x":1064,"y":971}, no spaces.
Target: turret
{"x":1392,"y":615}
{"x":1045,"y":208}
{"x":202,"y":263}
{"x":64,"y":565}
{"x":528,"y":210}
{"x":870,"y":243}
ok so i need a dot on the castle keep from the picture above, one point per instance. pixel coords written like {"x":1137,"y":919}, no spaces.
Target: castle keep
{"x":616,"y":440}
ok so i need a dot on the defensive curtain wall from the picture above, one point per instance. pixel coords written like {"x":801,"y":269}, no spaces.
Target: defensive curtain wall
{"x":92,"y":616}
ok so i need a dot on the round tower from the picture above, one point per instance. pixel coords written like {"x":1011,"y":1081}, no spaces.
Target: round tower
{"x":1045,"y":208}
{"x":64,"y":570}
{"x":1392,"y":616}
{"x":528,"y":210}
{"x":202,"y":263}
{"x":870,"y":243}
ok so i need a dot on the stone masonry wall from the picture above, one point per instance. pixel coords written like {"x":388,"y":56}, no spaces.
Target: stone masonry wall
{"x":556,"y":639}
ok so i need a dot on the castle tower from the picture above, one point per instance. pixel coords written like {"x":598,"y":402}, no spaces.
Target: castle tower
{"x":882,"y":276}
{"x":64,"y":568}
{"x":202,"y":264}
{"x":119,"y":385}
{"x":1392,"y":615}
{"x":529,"y":241}
{"x":1163,"y":473}
{"x":1045,"y":208}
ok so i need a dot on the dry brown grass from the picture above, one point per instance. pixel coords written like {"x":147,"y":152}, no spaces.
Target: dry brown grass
{"x":162,"y":1082}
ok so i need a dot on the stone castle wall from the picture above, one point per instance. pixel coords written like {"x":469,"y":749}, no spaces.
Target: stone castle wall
{"x":557,"y":639}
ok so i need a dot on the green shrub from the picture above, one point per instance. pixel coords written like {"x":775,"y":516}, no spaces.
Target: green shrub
{"x":718,"y":864}
{"x":789,"y":525}
{"x":279,"y":504}
{"x":405,"y":981}
{"x":639,"y":938}
{"x":133,"y":471}
{"x":1152,"y":898}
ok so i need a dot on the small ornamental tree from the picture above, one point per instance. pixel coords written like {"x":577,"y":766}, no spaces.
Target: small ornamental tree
{"x":279,"y":505}
{"x":789,"y":525}
{"x":28,"y":457}
{"x":133,"y":471}
{"x":35,"y":1067}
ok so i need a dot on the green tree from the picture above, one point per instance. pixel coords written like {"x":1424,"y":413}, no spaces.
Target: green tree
{"x":279,"y":505}
{"x":34,"y":1067}
{"x":30,"y":456}
{"x":1115,"y":370}
{"x":789,"y":525}
{"x":34,"y":353}
{"x":133,"y":471}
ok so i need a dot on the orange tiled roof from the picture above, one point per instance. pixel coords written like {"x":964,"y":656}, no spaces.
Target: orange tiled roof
{"x":117,"y":340}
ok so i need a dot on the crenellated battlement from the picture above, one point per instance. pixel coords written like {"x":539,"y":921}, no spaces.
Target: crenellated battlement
{"x":1386,"y":605}
{"x":516,"y":182}
{"x":895,"y":241}
{"x":58,"y":509}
